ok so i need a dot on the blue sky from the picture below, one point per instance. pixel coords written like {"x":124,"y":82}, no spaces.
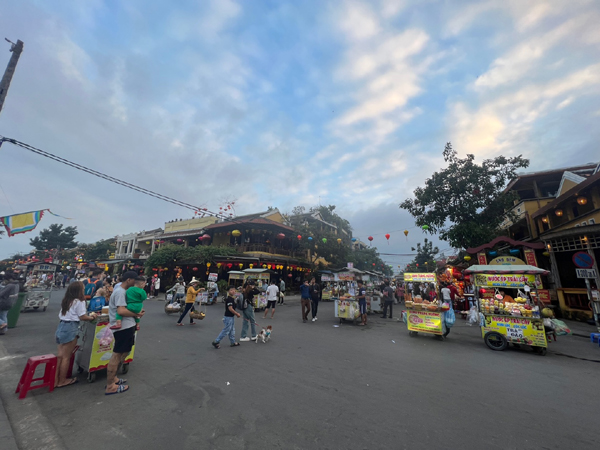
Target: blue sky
{"x":286,"y":103}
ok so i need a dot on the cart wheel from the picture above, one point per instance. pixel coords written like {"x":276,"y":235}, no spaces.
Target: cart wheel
{"x":125,"y":368}
{"x":540,"y":350}
{"x":413,"y":333}
{"x":495,"y":341}
{"x":91,"y":377}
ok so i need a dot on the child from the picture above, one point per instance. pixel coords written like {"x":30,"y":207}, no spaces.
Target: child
{"x":135,"y":301}
{"x":230,"y":312}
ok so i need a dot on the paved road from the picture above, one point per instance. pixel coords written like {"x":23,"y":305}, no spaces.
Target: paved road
{"x":314,"y":386}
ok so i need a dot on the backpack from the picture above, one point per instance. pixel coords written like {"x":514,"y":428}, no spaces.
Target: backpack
{"x":90,"y":288}
{"x":241,"y":302}
{"x":96,"y":304}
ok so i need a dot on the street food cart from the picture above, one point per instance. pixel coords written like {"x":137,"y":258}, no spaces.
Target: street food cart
{"x":346,"y":308}
{"x":94,"y":351}
{"x":262,"y":278}
{"x":37,"y":298}
{"x":423,"y":316}
{"x":421,"y":278}
{"x":236,"y":278}
{"x":517,"y":321}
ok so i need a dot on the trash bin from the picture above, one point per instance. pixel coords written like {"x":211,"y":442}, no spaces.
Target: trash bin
{"x":15,"y":311}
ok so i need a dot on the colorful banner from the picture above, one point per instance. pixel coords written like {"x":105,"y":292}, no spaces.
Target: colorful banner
{"x":481,"y":259}
{"x":22,"y":223}
{"x":530,"y":257}
{"x":506,"y":261}
{"x":344,"y":276}
{"x":517,"y":330}
{"x":420,"y":277}
{"x":424,"y":321}
{"x":506,"y":280}
{"x":544,"y":296}
{"x":101,"y":353}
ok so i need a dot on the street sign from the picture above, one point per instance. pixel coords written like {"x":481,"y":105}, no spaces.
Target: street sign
{"x":586,"y":273}
{"x":583,"y":260}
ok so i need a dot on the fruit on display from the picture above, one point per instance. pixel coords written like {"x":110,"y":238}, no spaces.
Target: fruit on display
{"x":490,"y":306}
{"x":547,"y":312}
{"x":520,"y":300}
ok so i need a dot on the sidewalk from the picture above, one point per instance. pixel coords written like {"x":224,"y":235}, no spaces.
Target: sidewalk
{"x":580,"y":329}
{"x":7,"y":436}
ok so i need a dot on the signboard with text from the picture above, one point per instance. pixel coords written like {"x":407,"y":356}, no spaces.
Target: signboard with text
{"x":586,"y":273}
{"x":583,"y":260}
{"x":506,"y":280}
{"x":530,"y":257}
{"x":516,"y":329}
{"x":424,"y":321}
{"x":481,"y":258}
{"x":420,"y":277}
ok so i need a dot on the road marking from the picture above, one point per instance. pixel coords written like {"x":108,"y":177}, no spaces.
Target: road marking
{"x":4,"y":358}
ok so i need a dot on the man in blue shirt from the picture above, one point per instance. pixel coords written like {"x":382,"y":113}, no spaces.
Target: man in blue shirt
{"x":305,"y":300}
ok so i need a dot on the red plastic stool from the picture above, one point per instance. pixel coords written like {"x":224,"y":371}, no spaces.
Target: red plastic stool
{"x":48,"y":380}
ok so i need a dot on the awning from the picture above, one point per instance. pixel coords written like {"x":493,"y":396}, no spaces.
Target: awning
{"x":525,"y":269}
{"x":111,"y":261}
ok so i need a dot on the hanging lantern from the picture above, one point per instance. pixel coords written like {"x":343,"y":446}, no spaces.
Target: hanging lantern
{"x":546,"y":254}
{"x":251,"y":265}
{"x":268,"y":266}
{"x":493,"y":253}
{"x":514,"y":251}
{"x":324,"y":240}
{"x":373,"y":263}
{"x":425,"y":227}
{"x":310,"y":238}
{"x":280,"y":236}
{"x":387,"y":236}
{"x":264,"y":266}
{"x":236,"y":233}
{"x":339,"y":240}
{"x":206,"y":237}
{"x":208,"y":264}
{"x":195,"y":269}
{"x":147,"y":242}
{"x":558,"y":212}
{"x":219,"y":265}
{"x":406,"y":233}
{"x":241,"y":265}
{"x":370,"y":238}
{"x":299,"y":237}
{"x":417,"y":264}
{"x":179,"y":240}
{"x":353,"y":239}
{"x":229,"y":265}
{"x":582,"y":200}
{"x":467,"y":258}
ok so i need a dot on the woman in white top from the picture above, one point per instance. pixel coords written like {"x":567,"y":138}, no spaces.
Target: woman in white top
{"x":72,"y":311}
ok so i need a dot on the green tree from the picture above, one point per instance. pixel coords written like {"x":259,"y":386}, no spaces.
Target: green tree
{"x":54,"y":237}
{"x":97,"y":250}
{"x":425,"y":258}
{"x":173,"y":255}
{"x":465,"y":202}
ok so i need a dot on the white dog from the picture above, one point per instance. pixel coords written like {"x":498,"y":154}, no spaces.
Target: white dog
{"x":264,"y":335}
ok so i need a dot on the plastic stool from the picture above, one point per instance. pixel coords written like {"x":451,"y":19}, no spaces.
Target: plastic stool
{"x":595,"y":337}
{"x":48,"y":380}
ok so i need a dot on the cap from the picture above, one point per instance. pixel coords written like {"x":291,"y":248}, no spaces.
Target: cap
{"x":128,"y":275}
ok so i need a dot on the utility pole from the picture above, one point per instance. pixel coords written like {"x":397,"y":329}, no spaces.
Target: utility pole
{"x":16,"y":50}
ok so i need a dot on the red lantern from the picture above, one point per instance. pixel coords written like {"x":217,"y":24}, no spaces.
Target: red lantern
{"x":373,"y":263}
{"x":289,"y":275}
{"x":299,"y":237}
{"x":206,"y":237}
{"x":195,"y":269}
{"x":179,"y":240}
{"x":230,"y":265}
{"x":280,"y":236}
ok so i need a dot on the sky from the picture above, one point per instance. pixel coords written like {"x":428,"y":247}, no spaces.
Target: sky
{"x":285,"y":103}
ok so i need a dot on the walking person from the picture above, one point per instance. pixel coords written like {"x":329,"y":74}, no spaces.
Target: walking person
{"x":125,"y":337}
{"x":281,"y":291}
{"x":388,"y":299}
{"x":156,"y":286}
{"x":305,"y":300}
{"x":362,"y":302}
{"x":228,"y":320}
{"x":9,"y":294}
{"x":247,"y":307}
{"x":272,"y":295}
{"x":72,"y":312}
{"x":190,"y":299}
{"x":315,"y":297}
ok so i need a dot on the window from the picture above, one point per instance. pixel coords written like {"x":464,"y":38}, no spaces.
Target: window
{"x":592,"y":221}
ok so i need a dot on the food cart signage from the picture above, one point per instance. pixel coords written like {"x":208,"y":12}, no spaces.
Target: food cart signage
{"x":257,"y":276}
{"x":424,"y":321}
{"x":517,"y":330}
{"x":213,"y":276}
{"x":347,"y":309}
{"x":101,"y":353}
{"x":44,"y":267}
{"x":345,"y":276}
{"x":420,"y":277}
{"x":236,"y":276}
{"x":507,"y":280}
{"x":506,"y":261}
{"x":325,"y":278}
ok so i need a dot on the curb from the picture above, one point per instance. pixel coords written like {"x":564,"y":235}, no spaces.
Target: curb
{"x":7,"y":437}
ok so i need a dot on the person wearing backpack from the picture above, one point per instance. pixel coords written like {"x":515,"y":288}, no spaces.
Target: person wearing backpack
{"x":92,"y":284}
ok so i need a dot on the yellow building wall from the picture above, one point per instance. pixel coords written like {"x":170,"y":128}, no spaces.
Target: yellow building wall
{"x":189,"y":224}
{"x":275,"y":217}
{"x":567,"y":185}
{"x":584,"y":218}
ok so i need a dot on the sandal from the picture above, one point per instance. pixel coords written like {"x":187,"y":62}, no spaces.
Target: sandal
{"x":120,"y":390}
{"x":70,"y":383}
{"x":216,"y":344}
{"x":179,"y":324}
{"x":237,"y":344}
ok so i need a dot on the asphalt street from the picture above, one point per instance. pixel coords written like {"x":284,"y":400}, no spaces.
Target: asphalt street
{"x":314,"y":386}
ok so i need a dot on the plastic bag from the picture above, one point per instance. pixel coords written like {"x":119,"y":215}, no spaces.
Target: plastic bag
{"x":404,"y":317}
{"x":473,"y":316}
{"x":560,"y":328}
{"x":106,"y":337}
{"x":548,"y":323}
{"x":169,"y":297}
{"x":449,"y":318}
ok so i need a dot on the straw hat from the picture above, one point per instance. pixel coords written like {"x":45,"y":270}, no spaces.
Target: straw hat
{"x":194,"y":280}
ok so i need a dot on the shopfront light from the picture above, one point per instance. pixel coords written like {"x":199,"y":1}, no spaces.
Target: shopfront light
{"x":581,"y":200}
{"x":545,"y":219}
{"x":559,"y":212}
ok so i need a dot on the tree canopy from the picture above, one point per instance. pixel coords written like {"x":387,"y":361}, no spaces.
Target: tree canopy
{"x":465,"y":202}
{"x":425,"y":259}
{"x":172,"y":255}
{"x":98,"y":250}
{"x":55,"y":237}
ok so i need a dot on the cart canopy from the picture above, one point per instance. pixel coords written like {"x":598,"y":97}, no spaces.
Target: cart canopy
{"x":524,"y":269}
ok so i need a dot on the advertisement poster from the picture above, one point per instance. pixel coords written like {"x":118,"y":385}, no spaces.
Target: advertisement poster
{"x":213,"y":276}
{"x":419,"y":277}
{"x":530,"y":257}
{"x":544,"y":296}
{"x":101,"y":353}
{"x":517,"y":330}
{"x":347,"y":309}
{"x":345,"y":276}
{"x":481,"y":259}
{"x":424,"y":321}
{"x":506,"y":280}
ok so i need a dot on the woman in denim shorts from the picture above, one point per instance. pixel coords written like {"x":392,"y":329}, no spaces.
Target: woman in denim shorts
{"x":72,"y":311}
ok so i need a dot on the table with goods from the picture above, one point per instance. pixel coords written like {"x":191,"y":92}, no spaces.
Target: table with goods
{"x":424,"y":316}
{"x":503,"y":322}
{"x":346,"y":308}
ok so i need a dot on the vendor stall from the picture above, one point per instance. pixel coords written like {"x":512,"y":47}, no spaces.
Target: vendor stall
{"x":510,"y":316}
{"x":423,"y":316}
{"x":346,"y":308}
{"x":236,"y":278}
{"x":95,"y":347}
{"x":262,"y":278}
